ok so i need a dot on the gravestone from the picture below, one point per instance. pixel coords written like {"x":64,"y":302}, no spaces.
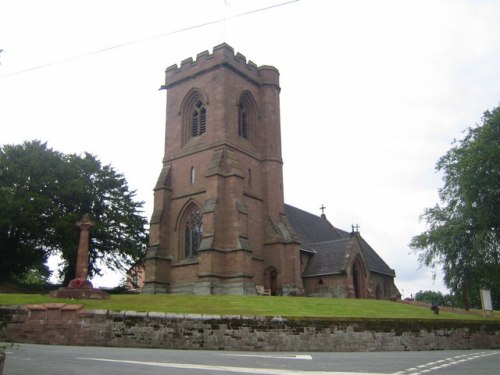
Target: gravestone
{"x":80,"y":286}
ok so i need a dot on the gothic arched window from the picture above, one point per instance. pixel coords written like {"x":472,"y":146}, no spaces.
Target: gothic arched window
{"x":242,"y":121}
{"x":198,"y":119}
{"x":193,"y":232}
{"x":193,"y":110}
{"x":192,"y":175}
{"x":247,"y":116}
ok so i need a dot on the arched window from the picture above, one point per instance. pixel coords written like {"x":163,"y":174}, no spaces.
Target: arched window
{"x":242,"y":121}
{"x":198,"y":119}
{"x":247,"y":116}
{"x":193,"y":232}
{"x":192,"y":175}
{"x":193,"y":110}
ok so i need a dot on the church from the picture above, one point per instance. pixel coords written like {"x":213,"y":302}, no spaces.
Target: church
{"x":220,"y":224}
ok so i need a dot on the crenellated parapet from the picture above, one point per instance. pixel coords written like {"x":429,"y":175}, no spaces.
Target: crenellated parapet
{"x":222,"y":55}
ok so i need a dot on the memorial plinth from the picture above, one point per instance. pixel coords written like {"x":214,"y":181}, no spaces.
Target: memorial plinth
{"x":80,"y":286}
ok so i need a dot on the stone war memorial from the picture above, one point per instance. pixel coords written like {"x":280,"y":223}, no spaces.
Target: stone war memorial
{"x":220,"y":224}
{"x":80,"y":287}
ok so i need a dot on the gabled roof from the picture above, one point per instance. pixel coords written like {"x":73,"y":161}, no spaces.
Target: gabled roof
{"x":329,"y":258}
{"x":373,"y":260}
{"x":310,"y":228}
{"x":330,"y":245}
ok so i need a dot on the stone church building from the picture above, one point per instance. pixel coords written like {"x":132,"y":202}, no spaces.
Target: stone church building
{"x":220,"y":224}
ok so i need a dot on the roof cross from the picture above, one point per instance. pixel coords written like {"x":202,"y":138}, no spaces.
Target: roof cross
{"x":322,"y":208}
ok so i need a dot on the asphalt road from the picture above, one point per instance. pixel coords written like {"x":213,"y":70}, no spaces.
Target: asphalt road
{"x":71,"y":360}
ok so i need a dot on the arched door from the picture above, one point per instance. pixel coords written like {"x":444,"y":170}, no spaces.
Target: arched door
{"x":271,"y":280}
{"x":359,"y":278}
{"x":378,"y":292}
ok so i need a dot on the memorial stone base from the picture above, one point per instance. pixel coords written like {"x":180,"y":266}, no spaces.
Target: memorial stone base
{"x":80,"y":289}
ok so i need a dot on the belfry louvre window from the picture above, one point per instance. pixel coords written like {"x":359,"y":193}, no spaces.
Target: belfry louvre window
{"x":198,"y":119}
{"x":193,"y":233}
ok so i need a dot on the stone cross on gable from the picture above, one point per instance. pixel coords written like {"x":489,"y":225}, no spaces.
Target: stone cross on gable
{"x":322,"y":208}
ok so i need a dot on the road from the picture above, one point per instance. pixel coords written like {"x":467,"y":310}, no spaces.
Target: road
{"x":72,"y":360}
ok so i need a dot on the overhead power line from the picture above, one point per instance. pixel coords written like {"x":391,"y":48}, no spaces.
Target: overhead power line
{"x":121,"y":45}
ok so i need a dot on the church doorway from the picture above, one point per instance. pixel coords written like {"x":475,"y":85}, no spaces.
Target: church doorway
{"x":378,"y":292}
{"x":271,"y":280}
{"x":358,"y":278}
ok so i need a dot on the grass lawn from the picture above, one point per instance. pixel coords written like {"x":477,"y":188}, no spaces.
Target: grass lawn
{"x":252,"y":305}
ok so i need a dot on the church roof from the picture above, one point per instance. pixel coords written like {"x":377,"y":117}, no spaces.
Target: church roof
{"x":373,"y":260}
{"x":329,"y":258}
{"x":310,"y":228}
{"x":329,"y":245}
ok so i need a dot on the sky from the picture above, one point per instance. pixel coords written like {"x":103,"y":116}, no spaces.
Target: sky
{"x":372,"y":94}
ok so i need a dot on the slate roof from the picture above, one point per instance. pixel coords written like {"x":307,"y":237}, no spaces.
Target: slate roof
{"x":329,"y":258}
{"x":329,"y":245}
{"x":310,"y":228}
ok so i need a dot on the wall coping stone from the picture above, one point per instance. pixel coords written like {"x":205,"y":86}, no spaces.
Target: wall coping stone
{"x":193,"y":316}
{"x":211,"y":317}
{"x":156,"y":315}
{"x":230,"y":317}
{"x":95,"y":312}
{"x":136,"y":313}
{"x":174,"y":316}
{"x":116,"y":313}
{"x":36,"y":307}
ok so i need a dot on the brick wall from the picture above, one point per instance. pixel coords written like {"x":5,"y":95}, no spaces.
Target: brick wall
{"x":70,"y":325}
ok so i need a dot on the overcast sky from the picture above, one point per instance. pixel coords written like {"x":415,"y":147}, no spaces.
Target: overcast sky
{"x":373,"y":93}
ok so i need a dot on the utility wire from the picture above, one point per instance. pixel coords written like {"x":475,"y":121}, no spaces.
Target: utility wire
{"x":121,"y":45}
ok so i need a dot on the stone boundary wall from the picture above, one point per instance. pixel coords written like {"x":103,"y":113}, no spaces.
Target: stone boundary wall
{"x":71,"y":325}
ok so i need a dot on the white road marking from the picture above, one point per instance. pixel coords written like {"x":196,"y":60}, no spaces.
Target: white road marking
{"x":239,"y":370}
{"x":456,"y":360}
{"x":299,"y":356}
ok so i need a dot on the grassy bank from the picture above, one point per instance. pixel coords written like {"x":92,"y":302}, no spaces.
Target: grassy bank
{"x":251,"y":305}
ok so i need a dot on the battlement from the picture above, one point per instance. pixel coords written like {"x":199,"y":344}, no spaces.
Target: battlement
{"x":222,"y":55}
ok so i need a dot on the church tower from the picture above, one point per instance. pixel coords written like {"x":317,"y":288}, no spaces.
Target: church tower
{"x":219,"y":224}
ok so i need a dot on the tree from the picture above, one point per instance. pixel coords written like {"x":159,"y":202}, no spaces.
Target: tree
{"x":463,"y":233}
{"x":438,"y":298}
{"x":43,"y":193}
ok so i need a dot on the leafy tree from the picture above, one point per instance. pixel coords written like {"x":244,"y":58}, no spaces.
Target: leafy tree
{"x":463,"y":234}
{"x":430,"y":296}
{"x":43,"y":193}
